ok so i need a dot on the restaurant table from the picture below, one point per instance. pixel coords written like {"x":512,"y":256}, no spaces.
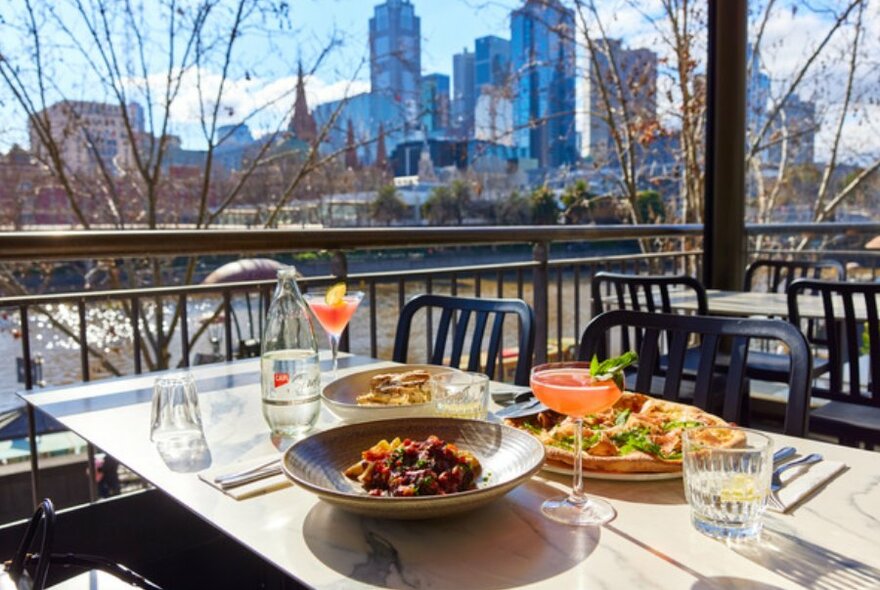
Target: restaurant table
{"x":830,"y":541}
{"x":752,"y":303}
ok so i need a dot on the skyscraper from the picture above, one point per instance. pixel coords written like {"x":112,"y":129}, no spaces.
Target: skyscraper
{"x":491,"y":61}
{"x":395,"y":58}
{"x":628,"y":77}
{"x":794,"y":128}
{"x":757,"y":92}
{"x":435,"y":102}
{"x":543,"y":65}
{"x":464,"y":97}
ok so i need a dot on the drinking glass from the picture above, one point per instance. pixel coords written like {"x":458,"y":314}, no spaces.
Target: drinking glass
{"x":175,"y":411}
{"x":461,"y":394}
{"x":334,"y":317}
{"x":568,"y":388}
{"x":726,"y":480}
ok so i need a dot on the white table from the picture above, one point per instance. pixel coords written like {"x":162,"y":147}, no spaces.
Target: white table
{"x":755,"y":303}
{"x":832,"y":541}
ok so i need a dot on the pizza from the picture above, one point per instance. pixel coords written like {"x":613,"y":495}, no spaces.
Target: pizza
{"x":639,"y":434}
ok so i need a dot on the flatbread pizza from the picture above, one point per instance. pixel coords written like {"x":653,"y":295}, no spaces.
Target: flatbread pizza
{"x":639,"y":434}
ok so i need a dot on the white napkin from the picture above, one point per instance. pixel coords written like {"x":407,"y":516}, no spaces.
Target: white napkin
{"x":802,"y":481}
{"x":248,"y":490}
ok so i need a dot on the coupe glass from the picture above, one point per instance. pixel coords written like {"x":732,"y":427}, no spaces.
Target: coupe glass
{"x":568,"y":389}
{"x":334,"y":317}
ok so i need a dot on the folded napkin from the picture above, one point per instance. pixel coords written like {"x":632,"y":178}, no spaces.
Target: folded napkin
{"x":800,"y":482}
{"x":248,"y":490}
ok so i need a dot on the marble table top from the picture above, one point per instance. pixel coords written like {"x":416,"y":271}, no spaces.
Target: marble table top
{"x":752,"y":303}
{"x":830,"y":541}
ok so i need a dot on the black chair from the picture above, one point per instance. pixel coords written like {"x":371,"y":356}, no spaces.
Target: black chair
{"x":646,"y":293}
{"x":455,"y":315}
{"x":779,"y":274}
{"x":712,"y":331}
{"x":850,"y":319}
{"x":775,"y":276}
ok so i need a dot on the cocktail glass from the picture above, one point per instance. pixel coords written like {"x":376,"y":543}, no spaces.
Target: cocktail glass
{"x":334,"y":317}
{"x":568,"y":388}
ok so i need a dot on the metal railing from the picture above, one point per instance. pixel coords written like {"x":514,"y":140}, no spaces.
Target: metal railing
{"x":554,"y":286}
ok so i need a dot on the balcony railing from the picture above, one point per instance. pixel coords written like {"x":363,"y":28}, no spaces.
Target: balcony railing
{"x":555,"y":285}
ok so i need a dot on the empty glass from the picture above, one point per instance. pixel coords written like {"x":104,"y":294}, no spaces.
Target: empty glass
{"x":175,"y":411}
{"x":459,"y":394}
{"x":727,"y":479}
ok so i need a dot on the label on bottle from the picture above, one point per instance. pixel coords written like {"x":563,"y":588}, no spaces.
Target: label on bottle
{"x":282,"y":379}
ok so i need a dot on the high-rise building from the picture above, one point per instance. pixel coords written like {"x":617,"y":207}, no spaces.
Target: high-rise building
{"x":624,"y":78}
{"x":757,"y":92}
{"x":435,"y":103}
{"x":542,"y":57}
{"x":89,"y":132}
{"x":491,"y":61}
{"x":794,"y":128}
{"x":464,"y":97}
{"x":395,"y":59}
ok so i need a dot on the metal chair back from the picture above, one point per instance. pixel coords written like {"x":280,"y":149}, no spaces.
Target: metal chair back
{"x":716,"y":334}
{"x":781,"y":273}
{"x":455,"y":318}
{"x":853,"y":333}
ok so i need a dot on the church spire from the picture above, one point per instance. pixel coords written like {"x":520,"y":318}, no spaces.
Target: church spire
{"x":302,"y":124}
{"x":351,"y":158}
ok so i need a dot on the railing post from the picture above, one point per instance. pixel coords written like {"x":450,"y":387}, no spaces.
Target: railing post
{"x":339,"y":269}
{"x":540,"y":281}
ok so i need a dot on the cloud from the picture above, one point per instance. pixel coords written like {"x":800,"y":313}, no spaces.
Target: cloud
{"x":262,"y":104}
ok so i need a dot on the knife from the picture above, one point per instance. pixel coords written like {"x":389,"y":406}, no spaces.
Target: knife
{"x":783,"y":454}
{"x":526,"y":408}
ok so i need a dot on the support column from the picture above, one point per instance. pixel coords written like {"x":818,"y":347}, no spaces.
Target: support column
{"x":724,"y":235}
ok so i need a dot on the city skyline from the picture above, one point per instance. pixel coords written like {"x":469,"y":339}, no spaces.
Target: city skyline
{"x":493,"y":19}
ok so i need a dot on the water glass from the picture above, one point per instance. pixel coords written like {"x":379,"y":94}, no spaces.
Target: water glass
{"x":175,"y":413}
{"x":727,"y":479}
{"x":461,"y":394}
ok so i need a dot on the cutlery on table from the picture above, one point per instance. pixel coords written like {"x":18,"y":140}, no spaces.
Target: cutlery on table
{"x":783,"y":454}
{"x":775,"y":479}
{"x":238,"y":478}
{"x":522,"y":409}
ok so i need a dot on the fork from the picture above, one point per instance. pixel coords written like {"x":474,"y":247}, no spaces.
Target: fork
{"x":776,"y":479}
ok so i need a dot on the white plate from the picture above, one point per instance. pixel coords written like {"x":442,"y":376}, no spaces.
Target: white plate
{"x":567,"y":470}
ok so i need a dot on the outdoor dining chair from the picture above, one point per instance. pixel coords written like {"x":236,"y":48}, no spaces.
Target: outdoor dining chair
{"x":646,"y":293}
{"x":716,"y":334}
{"x":468,"y":340}
{"x":774,"y":276}
{"x":853,"y":381}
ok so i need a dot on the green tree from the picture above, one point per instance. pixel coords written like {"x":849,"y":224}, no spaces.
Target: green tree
{"x":576,"y":203}
{"x":545,"y":209}
{"x":650,"y":207}
{"x":514,"y":210}
{"x":461,"y":193}
{"x":441,"y":208}
{"x":388,"y":206}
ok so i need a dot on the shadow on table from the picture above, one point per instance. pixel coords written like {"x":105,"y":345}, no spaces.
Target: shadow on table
{"x":504,"y":544}
{"x":807,"y":564}
{"x":731,"y":583}
{"x":667,"y":491}
{"x":185,"y":454}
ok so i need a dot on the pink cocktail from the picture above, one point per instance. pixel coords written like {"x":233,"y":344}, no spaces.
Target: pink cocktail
{"x":334,"y":313}
{"x":334,"y":318}
{"x":569,"y":389}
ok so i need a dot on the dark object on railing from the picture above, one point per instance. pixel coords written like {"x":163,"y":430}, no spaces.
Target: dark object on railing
{"x":483,"y":310}
{"x":31,"y":571}
{"x":678,"y":331}
{"x":36,"y":370}
{"x":781,"y":273}
{"x":13,"y":423}
{"x":853,"y":415}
